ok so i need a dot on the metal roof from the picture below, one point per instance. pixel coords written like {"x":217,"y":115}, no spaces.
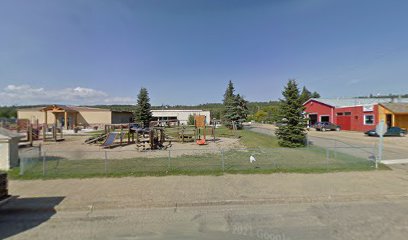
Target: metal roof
{"x":352,"y":102}
{"x":179,"y":110}
{"x":66,"y":108}
{"x":396,"y":107}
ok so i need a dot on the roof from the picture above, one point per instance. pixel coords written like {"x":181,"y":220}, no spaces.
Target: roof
{"x":396,"y":107}
{"x":352,"y":102}
{"x":178,"y":110}
{"x":7,"y":134}
{"x":66,"y":108}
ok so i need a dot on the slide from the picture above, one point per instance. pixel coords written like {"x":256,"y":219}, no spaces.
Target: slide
{"x":110,"y":139}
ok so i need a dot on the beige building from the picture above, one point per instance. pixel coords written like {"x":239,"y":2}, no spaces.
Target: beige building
{"x":69,"y":117}
{"x":394,"y":114}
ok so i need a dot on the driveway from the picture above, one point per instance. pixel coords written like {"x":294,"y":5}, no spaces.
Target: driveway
{"x":355,"y":143}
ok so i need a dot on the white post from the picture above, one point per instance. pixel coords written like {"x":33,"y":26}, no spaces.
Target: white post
{"x":380,"y":130}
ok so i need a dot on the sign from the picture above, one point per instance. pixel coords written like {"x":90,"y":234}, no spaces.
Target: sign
{"x":368,"y":108}
{"x":381,"y":129}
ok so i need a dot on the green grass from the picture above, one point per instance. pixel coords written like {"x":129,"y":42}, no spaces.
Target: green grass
{"x":248,"y":138}
{"x":270,"y":160}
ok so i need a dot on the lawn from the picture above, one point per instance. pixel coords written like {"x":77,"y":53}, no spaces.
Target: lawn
{"x":248,"y":138}
{"x":264,"y":148}
{"x":268,"y":160}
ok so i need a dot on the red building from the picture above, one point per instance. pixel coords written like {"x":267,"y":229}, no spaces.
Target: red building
{"x":353,"y":114}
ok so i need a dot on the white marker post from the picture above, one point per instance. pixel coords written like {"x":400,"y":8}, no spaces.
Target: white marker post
{"x":380,"y":129}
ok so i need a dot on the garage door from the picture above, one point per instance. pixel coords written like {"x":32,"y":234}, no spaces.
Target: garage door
{"x":344,"y":122}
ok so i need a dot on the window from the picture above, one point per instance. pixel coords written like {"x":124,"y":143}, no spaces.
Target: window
{"x":347,"y":113}
{"x":339,"y":114}
{"x":369,"y":119}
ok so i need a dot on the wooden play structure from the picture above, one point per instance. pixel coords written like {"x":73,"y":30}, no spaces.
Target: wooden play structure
{"x":107,"y":139}
{"x":199,"y":124}
{"x":124,"y":134}
{"x":35,"y":131}
{"x":198,"y":132}
{"x":153,"y":138}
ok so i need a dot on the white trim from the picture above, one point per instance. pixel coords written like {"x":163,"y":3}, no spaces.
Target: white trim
{"x":320,"y":117}
{"x":364,"y":119}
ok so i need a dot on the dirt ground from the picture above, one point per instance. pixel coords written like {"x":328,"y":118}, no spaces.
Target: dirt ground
{"x":73,"y":147}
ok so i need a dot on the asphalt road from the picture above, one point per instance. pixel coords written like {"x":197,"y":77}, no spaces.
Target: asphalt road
{"x":344,"y":205}
{"x":350,"y":205}
{"x":354,"y":143}
{"x":350,"y":220}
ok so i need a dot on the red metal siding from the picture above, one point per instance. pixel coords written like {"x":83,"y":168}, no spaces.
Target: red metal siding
{"x":314,"y":107}
{"x":353,"y":122}
{"x":344,"y":122}
{"x":356,"y":119}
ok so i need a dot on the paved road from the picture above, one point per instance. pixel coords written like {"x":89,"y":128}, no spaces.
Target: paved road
{"x":350,"y":205}
{"x":354,"y":143}
{"x":351,"y":220}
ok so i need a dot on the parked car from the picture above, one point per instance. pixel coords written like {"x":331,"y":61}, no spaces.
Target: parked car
{"x":326,"y":126}
{"x":391,"y":132}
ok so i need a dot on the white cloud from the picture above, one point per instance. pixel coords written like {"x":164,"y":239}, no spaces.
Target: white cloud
{"x":27,"y":95}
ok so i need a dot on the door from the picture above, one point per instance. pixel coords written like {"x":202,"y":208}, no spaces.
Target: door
{"x":388,"y":120}
{"x":312,"y":119}
{"x":344,"y":122}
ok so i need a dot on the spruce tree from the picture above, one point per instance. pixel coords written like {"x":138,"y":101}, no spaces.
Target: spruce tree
{"x":305,"y":95}
{"x":229,"y":93}
{"x":291,"y":131}
{"x":315,"y":95}
{"x":143,"y":112}
{"x":236,"y":110}
{"x":229,"y":101}
{"x":190,"y":120}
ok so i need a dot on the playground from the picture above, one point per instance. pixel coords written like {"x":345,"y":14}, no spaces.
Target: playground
{"x":131,"y":140}
{"x":73,"y":145}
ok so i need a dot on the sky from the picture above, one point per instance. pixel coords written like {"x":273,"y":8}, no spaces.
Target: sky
{"x":185,"y":51}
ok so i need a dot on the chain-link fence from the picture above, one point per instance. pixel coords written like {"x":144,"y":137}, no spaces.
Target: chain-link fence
{"x":37,"y":163}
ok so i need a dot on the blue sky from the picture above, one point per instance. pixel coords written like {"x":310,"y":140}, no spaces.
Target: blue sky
{"x":185,"y":51}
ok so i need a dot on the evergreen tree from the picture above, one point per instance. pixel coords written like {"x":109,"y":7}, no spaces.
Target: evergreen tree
{"x":315,"y":95}
{"x":291,"y":131}
{"x":236,"y":111}
{"x":143,"y":112}
{"x":305,"y":95}
{"x":229,"y":101}
{"x":229,"y":93}
{"x":190,"y":119}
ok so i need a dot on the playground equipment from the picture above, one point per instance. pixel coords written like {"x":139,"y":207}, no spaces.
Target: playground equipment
{"x":36,"y":131}
{"x":110,"y":139}
{"x":201,"y":130}
{"x":199,"y":123}
{"x":153,"y":138}
{"x":112,"y":131}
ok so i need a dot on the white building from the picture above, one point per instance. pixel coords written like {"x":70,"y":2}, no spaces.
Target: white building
{"x":180,"y":115}
{"x":8,"y":149}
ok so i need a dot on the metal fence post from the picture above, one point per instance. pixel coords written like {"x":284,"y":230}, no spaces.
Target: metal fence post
{"x":222,"y":160}
{"x":22,"y":162}
{"x":44,"y":162}
{"x":169,"y":159}
{"x":106,"y":162}
{"x":327,"y":159}
{"x":375,"y":156}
